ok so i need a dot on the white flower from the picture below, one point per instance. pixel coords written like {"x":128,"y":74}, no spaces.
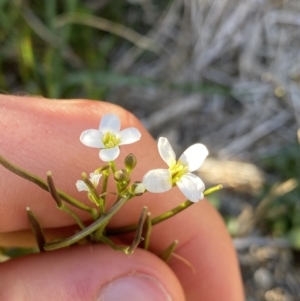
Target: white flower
{"x":179,"y":173}
{"x":94,"y":178}
{"x":109,"y":137}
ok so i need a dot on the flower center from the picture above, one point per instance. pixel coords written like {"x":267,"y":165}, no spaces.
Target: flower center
{"x":110,"y":140}
{"x":177,"y":171}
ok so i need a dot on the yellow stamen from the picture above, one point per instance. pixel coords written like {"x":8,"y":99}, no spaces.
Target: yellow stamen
{"x":110,"y":140}
{"x":177,"y":171}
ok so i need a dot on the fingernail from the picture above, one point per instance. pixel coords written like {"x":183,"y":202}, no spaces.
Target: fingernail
{"x":135,"y":287}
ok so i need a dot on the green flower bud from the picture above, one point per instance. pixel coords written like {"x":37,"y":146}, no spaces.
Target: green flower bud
{"x":130,"y":162}
{"x":122,"y":177}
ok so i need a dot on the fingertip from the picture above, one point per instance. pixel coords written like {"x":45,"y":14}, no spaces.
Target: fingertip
{"x":89,"y":273}
{"x":206,"y":245}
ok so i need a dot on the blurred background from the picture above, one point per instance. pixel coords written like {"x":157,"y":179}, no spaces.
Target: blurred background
{"x":225,"y":73}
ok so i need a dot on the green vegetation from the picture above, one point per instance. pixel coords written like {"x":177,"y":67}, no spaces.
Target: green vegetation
{"x":67,"y":49}
{"x":282,"y":217}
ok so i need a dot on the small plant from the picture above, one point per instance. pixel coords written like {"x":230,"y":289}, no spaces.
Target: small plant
{"x":109,"y":138}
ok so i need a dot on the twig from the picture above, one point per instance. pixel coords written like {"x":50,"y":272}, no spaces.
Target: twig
{"x":172,"y":111}
{"x":88,"y":230}
{"x":108,"y":26}
{"x":260,"y":131}
{"x":247,"y":242}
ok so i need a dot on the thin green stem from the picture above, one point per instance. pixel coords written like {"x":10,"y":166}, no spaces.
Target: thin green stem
{"x":104,"y":191}
{"x":115,"y":247}
{"x":88,"y":230}
{"x":43,"y":184}
{"x":147,"y":231}
{"x":164,"y":216}
{"x":74,"y":216}
{"x":154,"y":221}
{"x":137,"y":238}
{"x":113,"y":166}
{"x":92,"y":188}
{"x":114,"y":169}
{"x":212,"y":189}
{"x":97,"y":235}
{"x":60,"y":205}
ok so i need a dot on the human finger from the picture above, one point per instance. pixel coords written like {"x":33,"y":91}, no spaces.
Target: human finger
{"x":88,"y":273}
{"x":202,"y":236}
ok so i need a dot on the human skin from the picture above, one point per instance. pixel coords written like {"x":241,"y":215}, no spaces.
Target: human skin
{"x":41,"y":135}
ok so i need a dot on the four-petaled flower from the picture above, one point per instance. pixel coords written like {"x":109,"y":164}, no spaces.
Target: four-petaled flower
{"x":94,"y":178}
{"x":179,"y":172}
{"x":109,"y":137}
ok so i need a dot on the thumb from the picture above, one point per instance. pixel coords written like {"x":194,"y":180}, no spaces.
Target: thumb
{"x":89,"y":273}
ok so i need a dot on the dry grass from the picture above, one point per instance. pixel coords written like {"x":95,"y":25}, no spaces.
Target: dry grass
{"x":250,"y":47}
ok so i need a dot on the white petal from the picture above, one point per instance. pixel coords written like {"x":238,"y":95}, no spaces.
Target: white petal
{"x":139,"y":188}
{"x":109,"y":154}
{"x":158,"y":180}
{"x":194,"y":156}
{"x":166,"y":151}
{"x":191,"y":186}
{"x":81,"y":186}
{"x":110,"y":122}
{"x":92,"y":138}
{"x":94,"y":178}
{"x":129,"y":135}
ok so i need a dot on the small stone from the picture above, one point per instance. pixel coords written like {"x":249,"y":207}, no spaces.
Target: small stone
{"x":263,"y":278}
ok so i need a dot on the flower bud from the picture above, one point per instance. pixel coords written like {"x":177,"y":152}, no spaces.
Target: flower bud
{"x":137,"y":188}
{"x":130,"y":162}
{"x":121,"y":176}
